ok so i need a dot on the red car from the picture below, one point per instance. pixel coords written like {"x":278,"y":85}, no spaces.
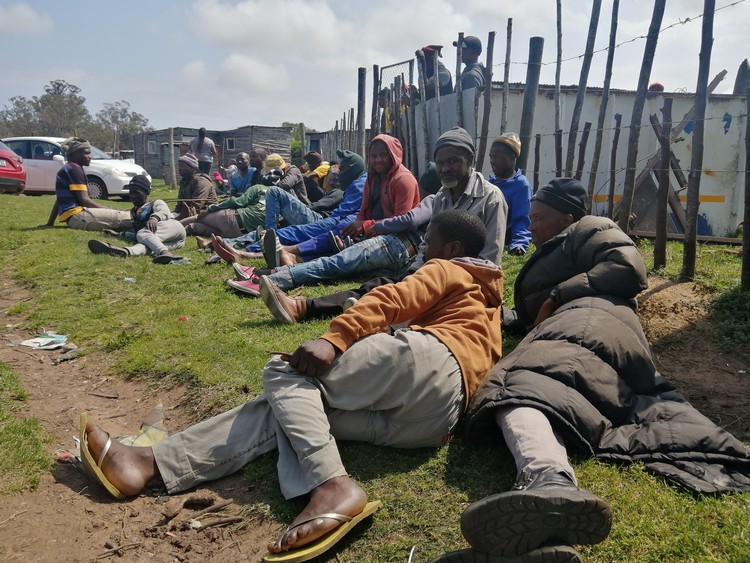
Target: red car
{"x":12,"y":173}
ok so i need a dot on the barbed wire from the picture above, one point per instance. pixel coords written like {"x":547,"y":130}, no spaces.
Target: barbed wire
{"x":632,"y":40}
{"x":644,"y":124}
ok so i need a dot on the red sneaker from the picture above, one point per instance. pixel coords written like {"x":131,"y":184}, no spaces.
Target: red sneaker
{"x":243,"y":272}
{"x":250,"y":287}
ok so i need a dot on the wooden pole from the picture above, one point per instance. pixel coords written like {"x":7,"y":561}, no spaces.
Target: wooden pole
{"x":361,"y":84}
{"x":485,"y":130}
{"x":459,"y":89}
{"x":696,"y":160}
{"x":582,"y":149}
{"x":558,"y":68}
{"x":437,"y":93}
{"x":603,"y":107}
{"x":660,"y":245}
{"x":302,"y":139}
{"x":352,"y":131}
{"x":558,"y":153}
{"x":582,"y":82}
{"x":612,"y":166}
{"x":172,"y":167}
{"x":506,"y":78}
{"x":374,"y":121}
{"x":421,"y":66}
{"x":745,"y":275}
{"x":536,"y":49}
{"x":628,"y":191}
{"x":537,"y":158}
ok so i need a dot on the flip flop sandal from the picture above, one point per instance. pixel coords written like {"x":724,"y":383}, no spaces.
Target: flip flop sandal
{"x":93,"y":468}
{"x":324,"y":542}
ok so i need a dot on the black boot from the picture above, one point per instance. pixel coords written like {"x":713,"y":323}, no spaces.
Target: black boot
{"x":541,"y":509}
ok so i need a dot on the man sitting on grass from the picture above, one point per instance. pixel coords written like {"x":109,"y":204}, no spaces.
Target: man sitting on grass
{"x":154,"y":230}
{"x":73,"y":205}
{"x":359,"y":381}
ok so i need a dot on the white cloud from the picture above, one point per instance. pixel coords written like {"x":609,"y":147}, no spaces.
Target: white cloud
{"x":246,"y":74}
{"x":22,"y":19}
{"x":194,"y":71}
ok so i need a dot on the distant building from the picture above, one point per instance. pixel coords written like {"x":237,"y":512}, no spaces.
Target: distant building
{"x":152,"y":149}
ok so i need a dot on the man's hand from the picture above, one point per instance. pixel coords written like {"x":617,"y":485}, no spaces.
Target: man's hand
{"x":547,"y":308}
{"x":353,"y":229}
{"x":518,"y":251}
{"x":152,"y":224}
{"x":313,"y":357}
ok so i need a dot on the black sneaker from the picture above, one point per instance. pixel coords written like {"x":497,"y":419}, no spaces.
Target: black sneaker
{"x":100,"y":247}
{"x":548,"y":554}
{"x":271,"y":249}
{"x":541,"y":509}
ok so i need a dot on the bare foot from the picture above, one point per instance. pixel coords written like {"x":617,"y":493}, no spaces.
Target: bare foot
{"x":249,"y":255}
{"x":128,"y":468}
{"x":286,"y":258}
{"x":203,"y":243}
{"x":340,"y":495}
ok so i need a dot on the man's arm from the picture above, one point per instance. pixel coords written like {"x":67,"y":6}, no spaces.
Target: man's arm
{"x":409,"y":221}
{"x":52,"y":214}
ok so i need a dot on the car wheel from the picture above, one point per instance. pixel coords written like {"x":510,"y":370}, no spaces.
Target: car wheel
{"x":97,"y":189}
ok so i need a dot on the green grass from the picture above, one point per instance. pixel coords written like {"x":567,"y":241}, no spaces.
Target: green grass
{"x":218,"y":351}
{"x":22,"y":440}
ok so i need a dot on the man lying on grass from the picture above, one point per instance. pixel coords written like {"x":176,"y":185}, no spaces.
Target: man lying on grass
{"x":153,"y":229}
{"x":582,"y":380}
{"x":359,"y":381}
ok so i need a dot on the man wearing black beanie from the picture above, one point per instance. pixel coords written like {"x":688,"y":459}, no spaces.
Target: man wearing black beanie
{"x":582,"y":259}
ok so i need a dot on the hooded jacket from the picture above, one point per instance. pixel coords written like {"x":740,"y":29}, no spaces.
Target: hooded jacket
{"x":457,"y":301}
{"x":399,"y":190}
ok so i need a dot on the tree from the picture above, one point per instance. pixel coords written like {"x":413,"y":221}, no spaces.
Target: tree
{"x":61,"y":109}
{"x":20,"y":118}
{"x":121,"y":123}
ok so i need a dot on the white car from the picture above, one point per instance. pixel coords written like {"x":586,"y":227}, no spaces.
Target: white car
{"x":42,"y":158}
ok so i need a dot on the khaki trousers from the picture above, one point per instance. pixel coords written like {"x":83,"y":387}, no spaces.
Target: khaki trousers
{"x":404,"y":391}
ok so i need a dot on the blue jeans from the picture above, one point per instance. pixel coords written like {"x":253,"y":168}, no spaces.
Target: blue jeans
{"x":295,"y":234}
{"x":294,"y":212}
{"x":376,"y":256}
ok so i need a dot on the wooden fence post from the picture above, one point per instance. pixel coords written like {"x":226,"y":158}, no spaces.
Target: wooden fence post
{"x":628,"y":190}
{"x":459,"y":90}
{"x":605,"y":101}
{"x":537,"y":158}
{"x":660,"y":244}
{"x":582,"y":82}
{"x":536,"y":49}
{"x":485,"y":129}
{"x":374,"y":121}
{"x":558,"y":68}
{"x":361,"y":83}
{"x":696,"y":160}
{"x":612,"y":166}
{"x":745,"y":276}
{"x":506,"y":77}
{"x":582,"y":149}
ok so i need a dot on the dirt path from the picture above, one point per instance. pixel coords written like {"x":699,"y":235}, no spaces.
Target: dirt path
{"x":69,"y":519}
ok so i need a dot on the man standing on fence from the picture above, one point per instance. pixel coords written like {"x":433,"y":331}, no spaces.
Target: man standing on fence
{"x":473,"y":75}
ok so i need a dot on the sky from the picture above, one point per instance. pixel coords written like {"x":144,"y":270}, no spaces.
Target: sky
{"x":222,"y":64}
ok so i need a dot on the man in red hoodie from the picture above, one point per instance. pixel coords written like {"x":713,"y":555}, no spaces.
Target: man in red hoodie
{"x":391,"y":190}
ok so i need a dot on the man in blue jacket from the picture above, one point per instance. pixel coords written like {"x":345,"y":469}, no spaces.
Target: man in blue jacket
{"x":504,"y":151}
